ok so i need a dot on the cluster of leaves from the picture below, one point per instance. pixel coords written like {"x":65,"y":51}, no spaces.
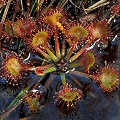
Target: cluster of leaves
{"x":48,"y":42}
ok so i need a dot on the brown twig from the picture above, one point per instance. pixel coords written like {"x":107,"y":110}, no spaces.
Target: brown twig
{"x":81,"y":74}
{"x":47,"y":84}
{"x":10,"y":110}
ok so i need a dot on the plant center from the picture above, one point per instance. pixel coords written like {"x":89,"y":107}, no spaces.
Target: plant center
{"x":61,"y":65}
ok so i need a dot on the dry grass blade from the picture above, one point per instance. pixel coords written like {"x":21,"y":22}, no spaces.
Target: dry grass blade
{"x":6,"y":11}
{"x":74,"y":4}
{"x":62,"y":3}
{"x":21,"y":4}
{"x":97,"y":5}
{"x":2,"y":4}
{"x":51,"y":3}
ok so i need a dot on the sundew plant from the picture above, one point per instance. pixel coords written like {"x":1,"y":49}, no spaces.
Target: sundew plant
{"x":59,"y":59}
